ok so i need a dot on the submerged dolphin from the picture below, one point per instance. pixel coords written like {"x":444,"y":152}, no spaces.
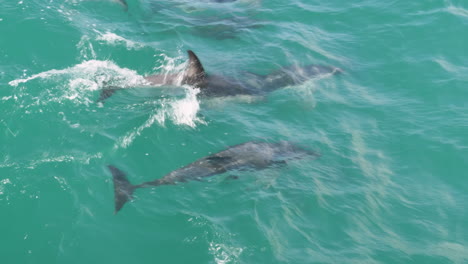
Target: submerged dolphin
{"x":124,"y":4}
{"x":215,"y":85}
{"x":250,"y":155}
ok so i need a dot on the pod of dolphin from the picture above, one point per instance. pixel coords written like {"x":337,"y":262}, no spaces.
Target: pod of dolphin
{"x":250,"y":155}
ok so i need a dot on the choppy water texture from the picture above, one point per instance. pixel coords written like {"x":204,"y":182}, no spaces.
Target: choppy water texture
{"x":390,"y":185}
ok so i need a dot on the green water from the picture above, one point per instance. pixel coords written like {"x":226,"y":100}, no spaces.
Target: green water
{"x":390,"y":185}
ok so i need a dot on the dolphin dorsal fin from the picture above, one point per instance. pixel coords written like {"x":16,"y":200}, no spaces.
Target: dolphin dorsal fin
{"x":194,"y":74}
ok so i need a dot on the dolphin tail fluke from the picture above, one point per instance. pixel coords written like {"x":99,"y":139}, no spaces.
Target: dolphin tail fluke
{"x":107,"y":92}
{"x":123,"y":189}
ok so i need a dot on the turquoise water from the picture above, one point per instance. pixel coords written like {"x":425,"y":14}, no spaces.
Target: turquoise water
{"x":390,"y":185}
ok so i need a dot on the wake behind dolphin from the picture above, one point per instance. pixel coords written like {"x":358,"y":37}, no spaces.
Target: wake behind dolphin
{"x":216,"y":85}
{"x":246,"y":156}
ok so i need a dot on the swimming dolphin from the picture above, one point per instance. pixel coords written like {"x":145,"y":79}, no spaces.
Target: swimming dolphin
{"x":249,"y":155}
{"x":216,"y":85}
{"x":124,"y":4}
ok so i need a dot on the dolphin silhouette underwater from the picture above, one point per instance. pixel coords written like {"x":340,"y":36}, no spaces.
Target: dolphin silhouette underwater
{"x":246,"y":156}
{"x":217,"y":86}
{"x":124,"y":4}
{"x":223,"y":1}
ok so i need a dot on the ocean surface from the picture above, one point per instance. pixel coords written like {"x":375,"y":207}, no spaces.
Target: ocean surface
{"x":390,"y":185}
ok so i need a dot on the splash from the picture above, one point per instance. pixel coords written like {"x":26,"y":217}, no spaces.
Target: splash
{"x":169,"y":64}
{"x":224,"y":253}
{"x":79,"y":83}
{"x":114,"y":39}
{"x":180,"y":112}
{"x":221,"y":242}
{"x":184,"y":112}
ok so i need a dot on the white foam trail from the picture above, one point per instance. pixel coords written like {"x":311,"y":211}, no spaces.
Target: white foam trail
{"x":223,"y":253}
{"x":86,"y":48}
{"x":459,"y":71}
{"x":458,"y":11}
{"x":78,"y":83}
{"x":83,"y":158}
{"x":95,"y":70}
{"x":114,"y":39}
{"x":8,"y":128}
{"x":42,"y":75}
{"x":128,"y":139}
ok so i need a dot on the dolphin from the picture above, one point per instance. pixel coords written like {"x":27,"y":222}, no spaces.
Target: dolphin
{"x":124,"y":4}
{"x":246,"y":156}
{"x":211,"y":85}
